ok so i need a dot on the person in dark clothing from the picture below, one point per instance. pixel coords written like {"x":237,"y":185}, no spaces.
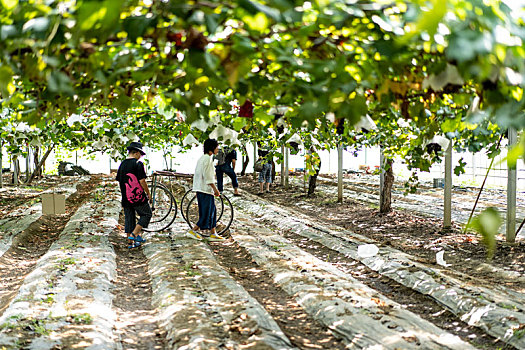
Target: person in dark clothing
{"x":131,"y":176}
{"x":265,"y":176}
{"x":226,"y":165}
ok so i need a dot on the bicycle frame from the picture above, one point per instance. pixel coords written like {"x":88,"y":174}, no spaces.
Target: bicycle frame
{"x":158,"y":174}
{"x":154,"y":184}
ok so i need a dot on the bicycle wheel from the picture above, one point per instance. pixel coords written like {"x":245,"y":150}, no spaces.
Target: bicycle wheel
{"x":224,"y":213}
{"x":164,"y":208}
{"x":188,"y":196}
{"x":226,"y":218}
{"x":184,"y":202}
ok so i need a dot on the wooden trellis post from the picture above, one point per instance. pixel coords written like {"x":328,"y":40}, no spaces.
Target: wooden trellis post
{"x":339,"y":173}
{"x":447,"y":205}
{"x":511,"y":191}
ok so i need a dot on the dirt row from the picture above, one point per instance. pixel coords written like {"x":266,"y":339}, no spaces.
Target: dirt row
{"x":431,"y":309}
{"x":439,"y":295}
{"x":263,"y":288}
{"x":409,"y":231}
{"x":135,"y":321}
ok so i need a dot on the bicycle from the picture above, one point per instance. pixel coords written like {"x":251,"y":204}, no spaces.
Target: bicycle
{"x":164,"y":205}
{"x":224,"y":212}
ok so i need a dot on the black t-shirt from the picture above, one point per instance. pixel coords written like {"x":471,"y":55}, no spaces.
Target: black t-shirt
{"x":230,"y":156}
{"x":129,"y":173}
{"x":265,"y":154}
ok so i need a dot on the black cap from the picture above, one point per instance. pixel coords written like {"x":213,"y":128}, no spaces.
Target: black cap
{"x":137,"y":146}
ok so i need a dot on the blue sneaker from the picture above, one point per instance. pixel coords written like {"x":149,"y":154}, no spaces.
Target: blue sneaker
{"x":131,"y":242}
{"x":139,"y":239}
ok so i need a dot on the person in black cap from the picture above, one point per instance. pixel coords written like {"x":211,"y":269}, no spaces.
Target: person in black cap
{"x":135,"y":194}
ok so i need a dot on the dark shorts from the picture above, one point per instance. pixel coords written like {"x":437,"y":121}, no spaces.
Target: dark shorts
{"x":130,"y":217}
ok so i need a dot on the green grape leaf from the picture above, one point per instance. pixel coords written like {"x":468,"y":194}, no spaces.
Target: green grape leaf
{"x":487,"y":224}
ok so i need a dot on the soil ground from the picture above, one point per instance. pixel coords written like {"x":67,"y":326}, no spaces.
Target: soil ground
{"x":303,"y":331}
{"x":20,"y":259}
{"x":16,"y":196}
{"x":417,"y":235}
{"x":410,"y":232}
{"x":133,"y":297}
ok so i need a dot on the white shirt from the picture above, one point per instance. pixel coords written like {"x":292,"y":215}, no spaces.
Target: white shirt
{"x":204,"y":175}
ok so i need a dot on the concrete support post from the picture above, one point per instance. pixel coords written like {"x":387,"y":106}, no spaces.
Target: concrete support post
{"x":382,"y":175}
{"x":511,"y":191}
{"x":447,"y":197}
{"x":28,"y":165}
{"x":339,"y":173}
{"x":1,"y":165}
{"x":286,"y":168}
{"x":254,"y":159}
{"x":474,"y":167}
{"x":282,"y":165}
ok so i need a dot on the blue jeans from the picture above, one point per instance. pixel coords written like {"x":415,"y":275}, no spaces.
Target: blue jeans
{"x":228,"y":170}
{"x":266,"y":174}
{"x":207,"y":211}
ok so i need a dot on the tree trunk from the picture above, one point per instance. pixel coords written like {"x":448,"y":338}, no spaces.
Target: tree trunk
{"x":41,"y":163}
{"x":38,"y":170}
{"x":165,"y":156}
{"x":245,"y":160}
{"x":16,"y":171}
{"x":273,"y":171}
{"x":385,"y":206}
{"x":312,"y":181}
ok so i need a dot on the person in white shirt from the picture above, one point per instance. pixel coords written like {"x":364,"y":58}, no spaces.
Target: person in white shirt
{"x":204,"y":186}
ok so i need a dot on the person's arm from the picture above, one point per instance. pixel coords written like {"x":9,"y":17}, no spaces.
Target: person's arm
{"x":142,"y":179}
{"x":216,"y":192}
{"x":144,"y":185}
{"x":233,"y":163}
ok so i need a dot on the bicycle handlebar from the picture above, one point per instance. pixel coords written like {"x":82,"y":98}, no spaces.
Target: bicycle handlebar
{"x":171,"y":173}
